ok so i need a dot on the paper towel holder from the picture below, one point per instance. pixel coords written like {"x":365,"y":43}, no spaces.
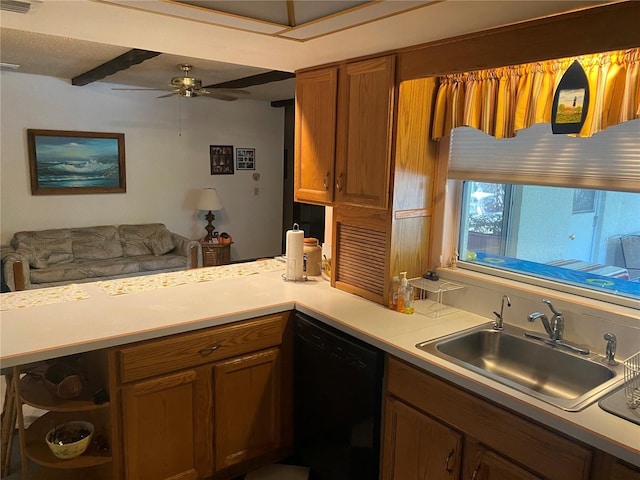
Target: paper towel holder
{"x":294,"y":256}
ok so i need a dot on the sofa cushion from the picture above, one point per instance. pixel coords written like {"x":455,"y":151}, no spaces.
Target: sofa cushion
{"x":44,"y":248}
{"x":37,"y":258}
{"x":67,"y":272}
{"x":96,"y":243}
{"x":161,"y":243}
{"x":164,"y":262}
{"x":134,"y":237}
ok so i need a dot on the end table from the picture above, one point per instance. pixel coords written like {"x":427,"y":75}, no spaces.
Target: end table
{"x":214,"y":254}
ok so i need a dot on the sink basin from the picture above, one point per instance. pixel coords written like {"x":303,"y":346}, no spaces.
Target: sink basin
{"x":565,"y":379}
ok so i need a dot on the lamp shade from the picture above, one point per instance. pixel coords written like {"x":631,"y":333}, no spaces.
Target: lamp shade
{"x":208,"y":200}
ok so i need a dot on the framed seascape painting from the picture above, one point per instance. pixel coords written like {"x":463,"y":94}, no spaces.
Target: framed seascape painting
{"x":70,"y":162}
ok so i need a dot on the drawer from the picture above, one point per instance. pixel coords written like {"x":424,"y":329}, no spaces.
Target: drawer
{"x":187,"y":350}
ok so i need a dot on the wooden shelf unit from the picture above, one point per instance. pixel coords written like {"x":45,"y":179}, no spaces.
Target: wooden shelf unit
{"x":93,"y":463}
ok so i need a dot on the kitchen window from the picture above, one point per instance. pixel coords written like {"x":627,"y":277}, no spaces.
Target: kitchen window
{"x":581,"y":237}
{"x":553,"y":208}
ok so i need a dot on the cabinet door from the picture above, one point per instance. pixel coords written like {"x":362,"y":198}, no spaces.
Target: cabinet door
{"x":315,"y":135}
{"x":159,"y":418}
{"x":493,"y":467}
{"x":365,"y":121}
{"x":622,"y":472}
{"x":247,"y":407}
{"x":417,"y":447}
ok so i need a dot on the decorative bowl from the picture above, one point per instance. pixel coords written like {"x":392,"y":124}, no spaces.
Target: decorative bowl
{"x":69,"y":440}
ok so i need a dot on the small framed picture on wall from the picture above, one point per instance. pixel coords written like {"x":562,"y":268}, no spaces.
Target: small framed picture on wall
{"x":246,"y":158}
{"x":221,"y":158}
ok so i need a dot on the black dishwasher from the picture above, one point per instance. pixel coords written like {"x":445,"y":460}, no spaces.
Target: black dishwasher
{"x":338,"y":397}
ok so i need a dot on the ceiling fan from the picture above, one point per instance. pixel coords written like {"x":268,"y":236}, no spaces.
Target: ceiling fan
{"x":188,"y":86}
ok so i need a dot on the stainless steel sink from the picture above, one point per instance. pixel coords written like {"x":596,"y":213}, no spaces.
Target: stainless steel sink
{"x":567,"y":380}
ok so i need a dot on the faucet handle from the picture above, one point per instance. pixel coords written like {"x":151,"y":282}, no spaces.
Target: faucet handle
{"x":551,"y":307}
{"x":610,"y":351}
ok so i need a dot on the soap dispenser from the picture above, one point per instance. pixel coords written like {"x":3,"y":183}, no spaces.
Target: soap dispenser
{"x":401,"y":290}
{"x":393,"y":292}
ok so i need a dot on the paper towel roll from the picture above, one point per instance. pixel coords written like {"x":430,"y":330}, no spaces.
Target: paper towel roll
{"x":295,"y":253}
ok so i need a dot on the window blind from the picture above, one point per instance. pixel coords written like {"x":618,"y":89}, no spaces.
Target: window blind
{"x":608,"y":160}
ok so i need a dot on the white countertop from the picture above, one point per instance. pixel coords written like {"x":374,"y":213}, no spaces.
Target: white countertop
{"x":103,"y":320}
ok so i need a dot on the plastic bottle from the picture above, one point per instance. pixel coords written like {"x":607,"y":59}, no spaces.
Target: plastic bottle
{"x":393,"y":292}
{"x":403,"y":285}
{"x":408,"y":299}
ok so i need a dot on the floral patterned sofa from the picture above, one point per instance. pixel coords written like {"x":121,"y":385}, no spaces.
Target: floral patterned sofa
{"x":48,"y":258}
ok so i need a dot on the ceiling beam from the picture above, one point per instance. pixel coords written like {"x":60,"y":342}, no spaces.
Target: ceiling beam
{"x":253,"y":80}
{"x":124,"y":61}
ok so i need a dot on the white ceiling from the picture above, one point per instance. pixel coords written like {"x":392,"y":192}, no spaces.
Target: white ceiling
{"x":65,"y":38}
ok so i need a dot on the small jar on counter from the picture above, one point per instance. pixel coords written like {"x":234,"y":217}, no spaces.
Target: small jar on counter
{"x":313,"y":255}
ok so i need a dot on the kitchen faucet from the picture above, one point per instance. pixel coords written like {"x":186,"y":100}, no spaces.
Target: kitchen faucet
{"x":554,"y":329}
{"x":499,"y":323}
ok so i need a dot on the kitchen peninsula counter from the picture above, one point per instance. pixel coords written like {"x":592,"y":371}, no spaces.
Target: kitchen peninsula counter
{"x":100,"y":319}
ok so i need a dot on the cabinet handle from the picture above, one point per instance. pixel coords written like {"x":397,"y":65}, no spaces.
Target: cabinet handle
{"x":208,"y":351}
{"x":446,"y":462}
{"x":475,"y":472}
{"x":339,"y":183}
{"x":325,"y":181}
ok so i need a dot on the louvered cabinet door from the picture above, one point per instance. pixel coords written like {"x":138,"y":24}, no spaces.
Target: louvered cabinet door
{"x":360,"y":256}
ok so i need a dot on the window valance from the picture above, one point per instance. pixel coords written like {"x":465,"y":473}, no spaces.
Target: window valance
{"x":501,"y":101}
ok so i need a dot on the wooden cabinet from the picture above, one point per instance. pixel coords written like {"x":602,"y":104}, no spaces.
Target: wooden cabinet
{"x":358,"y":134}
{"x":611,"y":468}
{"x":160,"y":424}
{"x":97,"y":461}
{"x":344,"y":119}
{"x":418,"y":447}
{"x":315,"y":135}
{"x":491,"y":466}
{"x":205,"y":403}
{"x":371,"y":245}
{"x":619,"y":471}
{"x":247,"y":407}
{"x":498,"y":444}
{"x":366,"y":97}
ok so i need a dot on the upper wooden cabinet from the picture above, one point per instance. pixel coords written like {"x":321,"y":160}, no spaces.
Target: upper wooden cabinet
{"x":344,"y":119}
{"x":365,"y":121}
{"x":315,"y":135}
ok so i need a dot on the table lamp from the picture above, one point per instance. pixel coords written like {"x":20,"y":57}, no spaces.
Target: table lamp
{"x":208,"y":200}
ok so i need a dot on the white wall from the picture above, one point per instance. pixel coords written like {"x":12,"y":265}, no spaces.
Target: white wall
{"x":164,"y":169}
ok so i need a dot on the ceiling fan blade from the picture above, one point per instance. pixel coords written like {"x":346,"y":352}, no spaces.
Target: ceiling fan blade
{"x":216,"y":95}
{"x":155,"y":89}
{"x":169,"y":94}
{"x":230,"y":91}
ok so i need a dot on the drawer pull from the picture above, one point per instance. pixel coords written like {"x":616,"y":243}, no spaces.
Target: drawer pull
{"x":446,"y":462}
{"x":208,"y":351}
{"x":325,"y":181}
{"x":339,"y":183}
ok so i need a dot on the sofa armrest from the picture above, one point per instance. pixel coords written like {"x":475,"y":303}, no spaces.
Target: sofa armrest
{"x":188,"y":248}
{"x":16,"y":272}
